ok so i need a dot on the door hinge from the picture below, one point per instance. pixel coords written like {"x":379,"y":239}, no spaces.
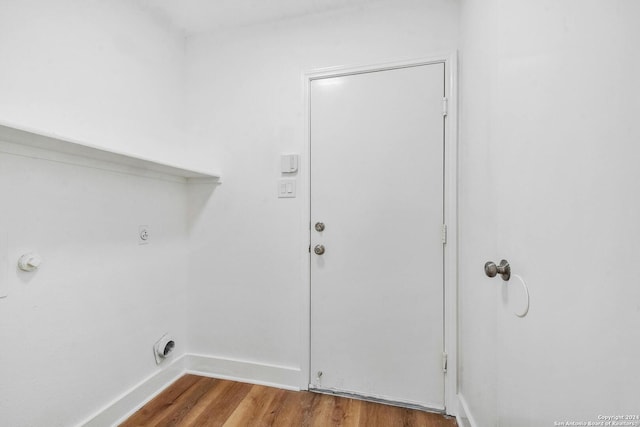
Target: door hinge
{"x":445,"y":106}
{"x":444,"y":362}
{"x":444,"y":233}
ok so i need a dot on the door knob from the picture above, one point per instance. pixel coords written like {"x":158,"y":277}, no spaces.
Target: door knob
{"x":318,"y":249}
{"x":503,"y":269}
{"x":319,"y":226}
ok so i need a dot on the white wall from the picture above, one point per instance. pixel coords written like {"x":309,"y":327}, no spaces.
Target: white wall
{"x":548,"y":174}
{"x":550,"y":99}
{"x":246,"y":106}
{"x":107,"y":72}
{"x":79,"y":332}
{"x":477,"y":222}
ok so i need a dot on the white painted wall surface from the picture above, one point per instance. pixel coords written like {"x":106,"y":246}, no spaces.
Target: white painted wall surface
{"x":105,"y":72}
{"x":78,"y":333}
{"x":478,"y":299}
{"x":246,"y":106}
{"x":557,"y":124}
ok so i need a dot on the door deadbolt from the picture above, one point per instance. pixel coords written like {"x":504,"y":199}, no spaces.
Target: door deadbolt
{"x":503,"y":269}
{"x":318,"y":249}
{"x":319,"y":226}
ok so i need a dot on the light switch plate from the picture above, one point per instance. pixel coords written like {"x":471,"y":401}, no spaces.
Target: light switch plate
{"x":289,"y":163}
{"x":286,"y":188}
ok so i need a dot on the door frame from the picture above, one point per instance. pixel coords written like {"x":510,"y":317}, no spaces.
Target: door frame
{"x":450,"y":193}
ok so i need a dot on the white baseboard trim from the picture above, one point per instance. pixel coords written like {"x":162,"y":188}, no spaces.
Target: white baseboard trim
{"x":133,"y":399}
{"x":244,"y":371}
{"x":137,"y":396}
{"x":464,"y":417}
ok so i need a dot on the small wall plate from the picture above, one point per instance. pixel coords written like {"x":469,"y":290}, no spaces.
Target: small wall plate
{"x":143,"y":235}
{"x":286,"y":188}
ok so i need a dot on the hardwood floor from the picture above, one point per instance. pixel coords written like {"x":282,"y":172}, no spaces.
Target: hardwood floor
{"x":194,"y":401}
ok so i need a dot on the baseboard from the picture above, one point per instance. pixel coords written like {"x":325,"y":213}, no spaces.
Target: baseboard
{"x":464,"y":417}
{"x":244,"y":371}
{"x":137,"y":396}
{"x":216,"y":367}
{"x":130,"y":401}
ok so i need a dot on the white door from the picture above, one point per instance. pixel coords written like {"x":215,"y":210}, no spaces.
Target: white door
{"x":377,"y":148}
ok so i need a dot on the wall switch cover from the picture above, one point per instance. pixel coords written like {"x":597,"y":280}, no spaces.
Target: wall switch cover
{"x":289,"y":163}
{"x":286,"y":188}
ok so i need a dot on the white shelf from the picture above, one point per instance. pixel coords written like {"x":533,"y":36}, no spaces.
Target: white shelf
{"x":33,"y":143}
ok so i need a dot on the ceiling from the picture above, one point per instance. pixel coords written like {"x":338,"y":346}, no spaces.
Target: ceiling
{"x":194,"y":16}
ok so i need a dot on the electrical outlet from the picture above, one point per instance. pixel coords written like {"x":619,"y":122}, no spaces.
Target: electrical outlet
{"x":144,"y":235}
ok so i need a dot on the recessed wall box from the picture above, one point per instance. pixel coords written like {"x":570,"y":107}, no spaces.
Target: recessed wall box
{"x":163,"y":348}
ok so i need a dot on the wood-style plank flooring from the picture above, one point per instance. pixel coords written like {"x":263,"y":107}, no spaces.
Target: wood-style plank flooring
{"x":194,"y":401}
